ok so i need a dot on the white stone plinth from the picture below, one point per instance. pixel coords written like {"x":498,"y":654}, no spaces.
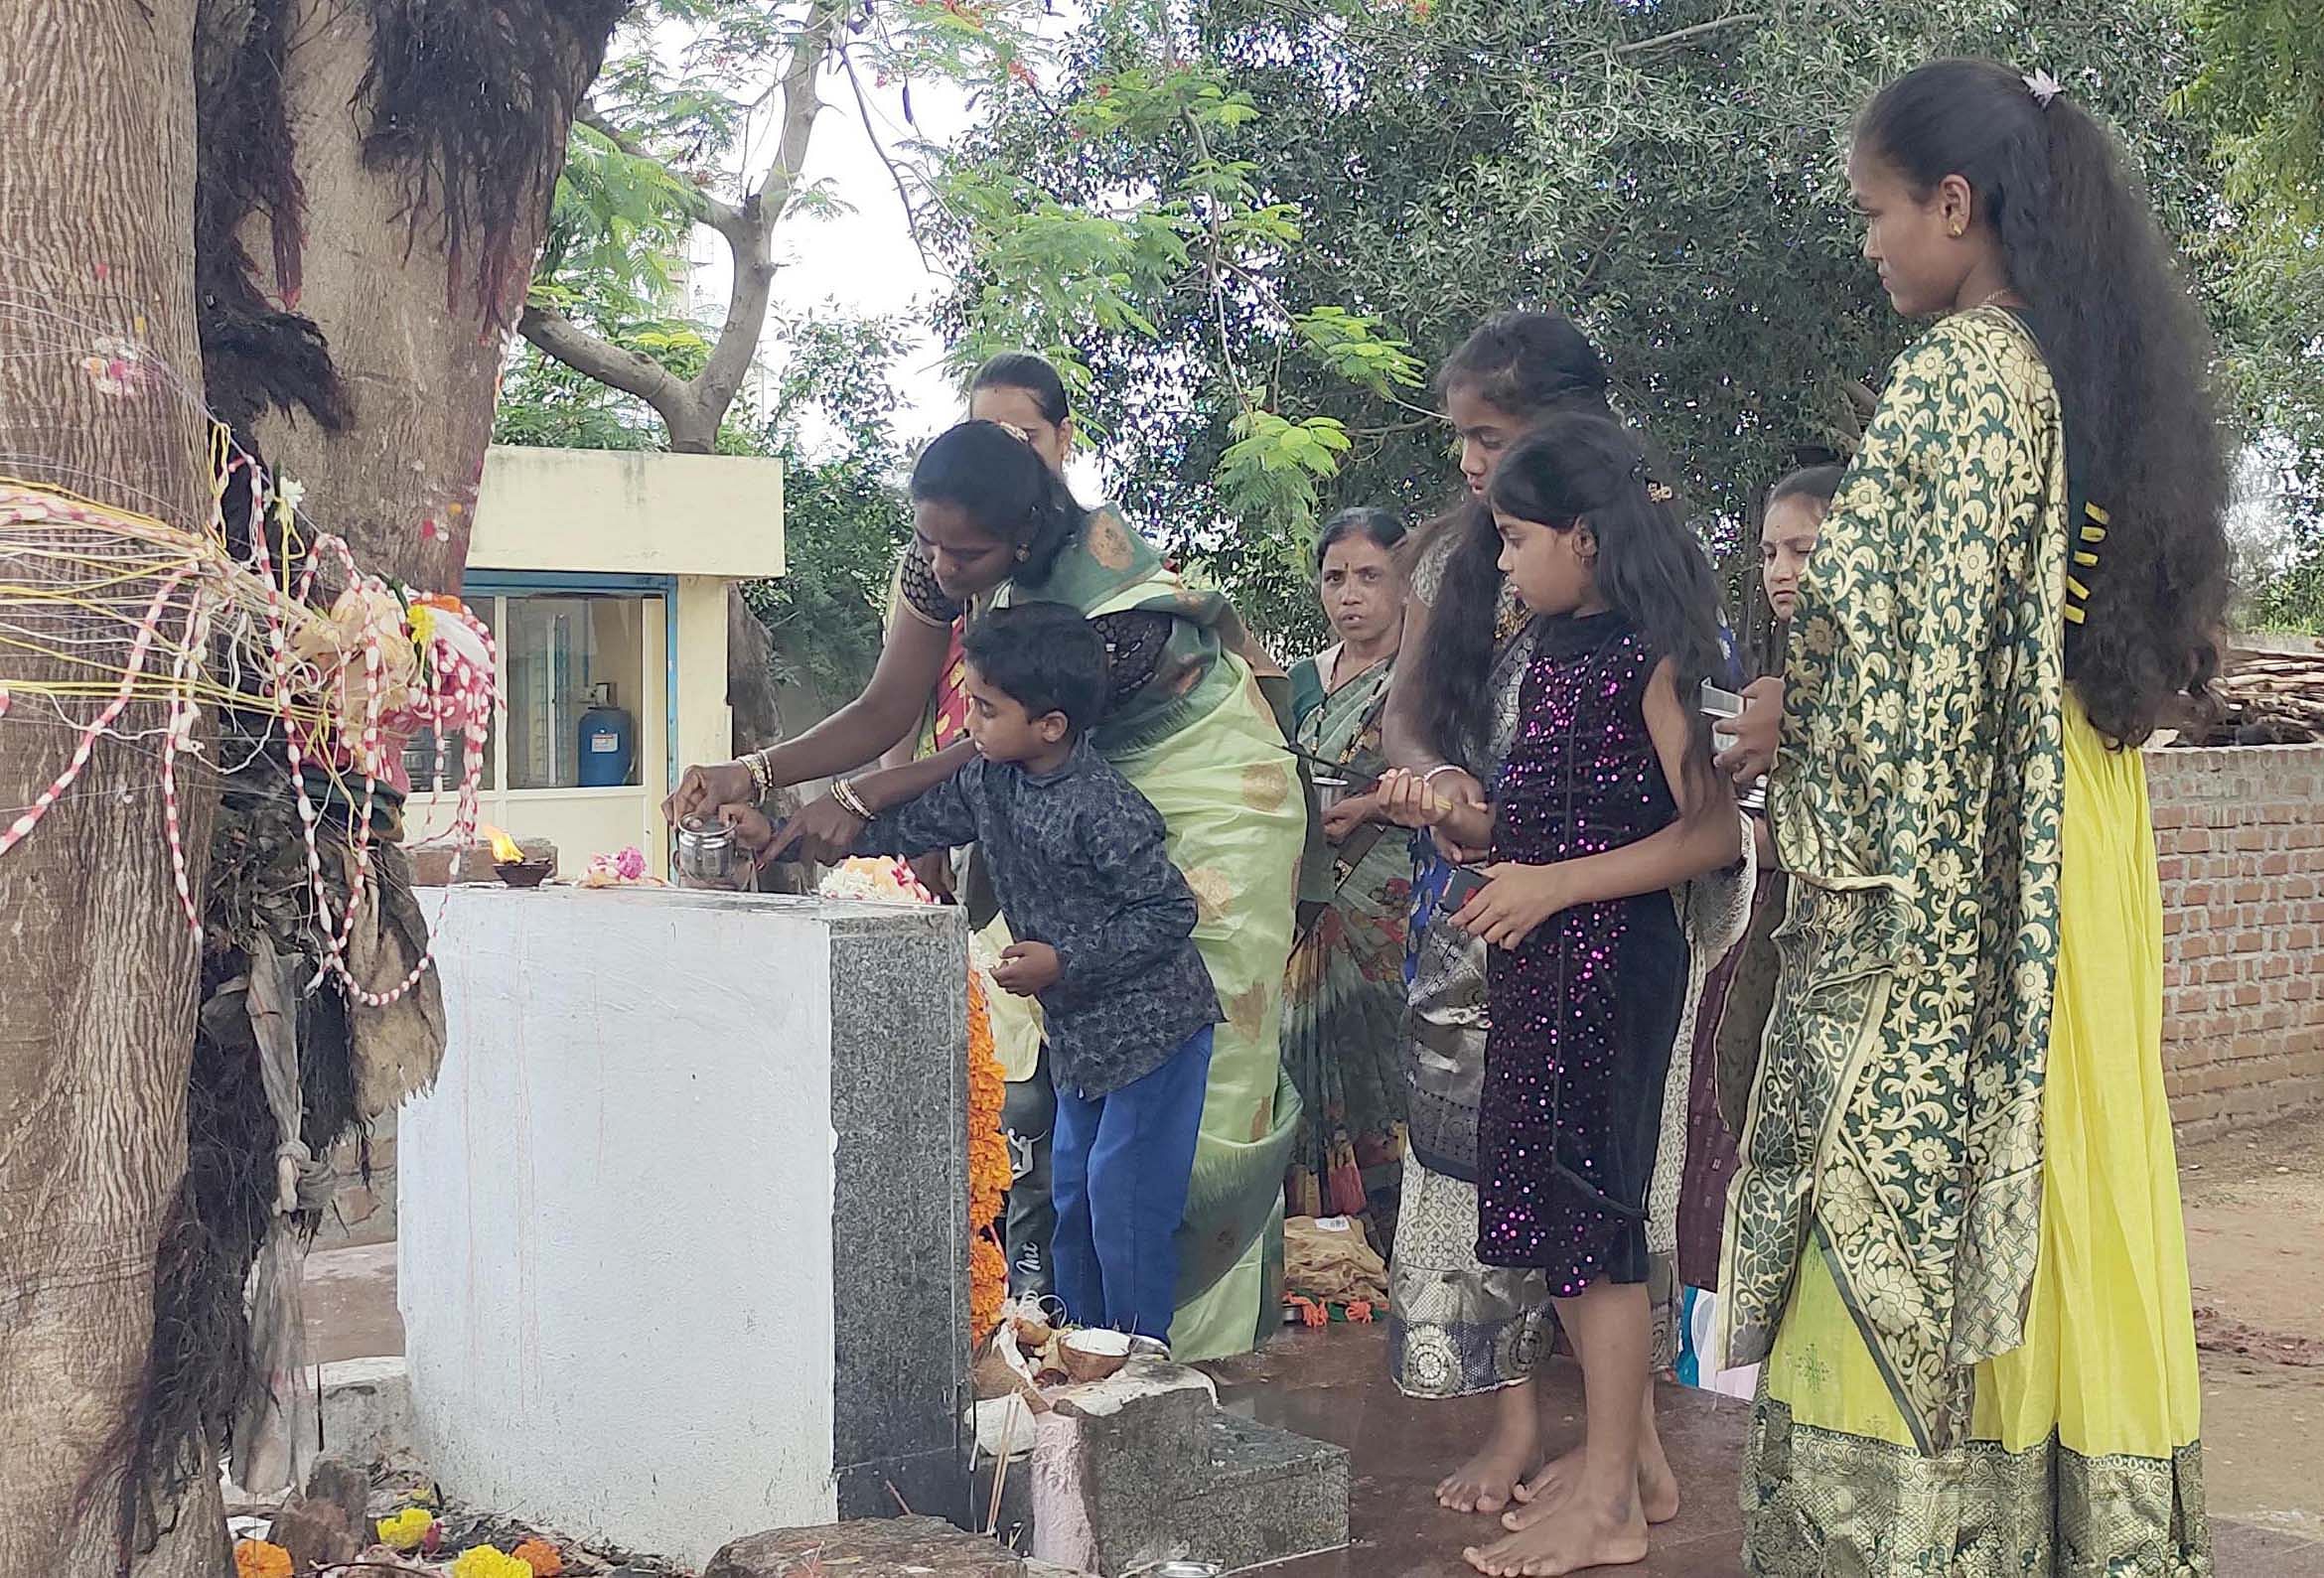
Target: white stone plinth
{"x":624,"y":1313}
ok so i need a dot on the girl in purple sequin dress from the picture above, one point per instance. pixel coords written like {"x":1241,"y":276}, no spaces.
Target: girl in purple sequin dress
{"x":1608,"y":799}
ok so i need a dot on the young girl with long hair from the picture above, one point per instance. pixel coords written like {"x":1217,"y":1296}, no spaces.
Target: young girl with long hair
{"x":1458,"y":1327}
{"x":1606,"y":803}
{"x":1955,"y":1240}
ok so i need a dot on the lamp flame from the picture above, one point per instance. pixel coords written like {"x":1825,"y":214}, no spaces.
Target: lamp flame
{"x":505,"y":848}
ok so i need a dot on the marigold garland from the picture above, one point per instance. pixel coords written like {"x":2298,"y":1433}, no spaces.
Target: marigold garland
{"x":988,"y":1169}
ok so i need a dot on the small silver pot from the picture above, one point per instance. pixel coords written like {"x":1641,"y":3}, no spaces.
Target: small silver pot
{"x":1328,"y":792}
{"x":707,"y":853}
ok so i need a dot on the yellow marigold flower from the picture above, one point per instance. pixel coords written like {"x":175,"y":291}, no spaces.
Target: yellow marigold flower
{"x":408,"y":1530}
{"x":423,"y":625}
{"x":489,"y":1561}
{"x":255,"y":1558}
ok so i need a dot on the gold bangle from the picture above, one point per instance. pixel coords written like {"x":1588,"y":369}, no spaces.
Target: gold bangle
{"x":849,"y":800}
{"x":760,"y":773}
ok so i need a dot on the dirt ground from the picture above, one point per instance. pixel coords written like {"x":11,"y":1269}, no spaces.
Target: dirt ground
{"x":2256,"y":1245}
{"x":2254,"y":1203}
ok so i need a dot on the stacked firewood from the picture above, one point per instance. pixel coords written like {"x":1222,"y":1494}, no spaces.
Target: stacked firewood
{"x":2267,"y":698}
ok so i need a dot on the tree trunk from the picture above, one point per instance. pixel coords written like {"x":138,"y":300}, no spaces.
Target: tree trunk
{"x":96,"y":101}
{"x":400,"y":483}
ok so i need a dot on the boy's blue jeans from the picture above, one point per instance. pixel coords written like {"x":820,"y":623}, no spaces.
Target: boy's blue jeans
{"x":1119,"y":1174}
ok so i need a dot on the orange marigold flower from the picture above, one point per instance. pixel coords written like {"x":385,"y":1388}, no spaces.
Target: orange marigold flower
{"x":258,"y":1558}
{"x":988,"y":1168}
{"x":541,"y":1556}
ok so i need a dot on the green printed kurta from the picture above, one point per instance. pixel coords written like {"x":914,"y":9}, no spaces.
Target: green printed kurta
{"x":1957,"y":1241}
{"x":1897,"y":1109}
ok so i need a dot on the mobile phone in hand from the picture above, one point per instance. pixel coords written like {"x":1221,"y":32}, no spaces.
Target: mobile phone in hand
{"x":1467,"y":881}
{"x":1717,"y":703}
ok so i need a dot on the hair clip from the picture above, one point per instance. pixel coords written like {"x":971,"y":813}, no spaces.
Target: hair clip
{"x":1015,"y":432}
{"x":1659,"y":493}
{"x":2044,"y":87}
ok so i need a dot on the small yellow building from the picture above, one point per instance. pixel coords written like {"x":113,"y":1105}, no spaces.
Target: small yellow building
{"x":603,"y":576}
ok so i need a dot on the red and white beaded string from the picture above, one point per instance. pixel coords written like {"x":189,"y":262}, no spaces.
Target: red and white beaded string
{"x":456,"y":694}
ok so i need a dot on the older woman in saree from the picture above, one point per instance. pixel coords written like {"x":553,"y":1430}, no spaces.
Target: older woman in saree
{"x":1344,"y":1003}
{"x":1188,"y":723}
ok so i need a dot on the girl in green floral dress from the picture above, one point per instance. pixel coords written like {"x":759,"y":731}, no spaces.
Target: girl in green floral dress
{"x":1955,"y":1240}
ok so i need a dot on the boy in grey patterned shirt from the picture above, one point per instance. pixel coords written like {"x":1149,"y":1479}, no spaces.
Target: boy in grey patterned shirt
{"x":1103,"y":924}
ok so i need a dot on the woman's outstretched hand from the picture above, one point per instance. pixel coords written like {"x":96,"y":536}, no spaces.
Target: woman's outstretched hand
{"x":1752,"y":754}
{"x":704,"y":789}
{"x":1513,"y":901}
{"x":823,"y":830}
{"x":1452,"y":805}
{"x":1349,"y":814}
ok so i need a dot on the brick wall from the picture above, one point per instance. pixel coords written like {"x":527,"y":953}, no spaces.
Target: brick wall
{"x":2241,"y":836}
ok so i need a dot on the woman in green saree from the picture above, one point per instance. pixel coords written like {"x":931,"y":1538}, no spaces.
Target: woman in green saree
{"x":1344,"y":998}
{"x":1189,"y":724}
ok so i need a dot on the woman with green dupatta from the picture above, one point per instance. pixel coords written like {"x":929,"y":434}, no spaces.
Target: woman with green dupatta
{"x":1955,"y":1240}
{"x":1188,"y":723}
{"x":1343,"y":997}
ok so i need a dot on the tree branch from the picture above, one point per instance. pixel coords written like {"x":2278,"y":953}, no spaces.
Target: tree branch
{"x":609,"y":364}
{"x":895,"y":174}
{"x":799,"y":104}
{"x":594,"y":118}
{"x":750,"y":229}
{"x":1679,"y":35}
{"x":716,"y":213}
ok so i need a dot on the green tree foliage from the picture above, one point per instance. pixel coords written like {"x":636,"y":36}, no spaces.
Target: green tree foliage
{"x":704,"y":116}
{"x":2260,"y":92}
{"x":1248,"y":225}
{"x":2263,"y":85}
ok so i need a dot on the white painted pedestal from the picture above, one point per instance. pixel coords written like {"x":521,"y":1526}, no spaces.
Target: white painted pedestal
{"x":682,"y":1255}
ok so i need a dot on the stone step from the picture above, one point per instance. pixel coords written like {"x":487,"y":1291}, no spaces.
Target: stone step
{"x":1146,"y":1468}
{"x":923,"y":1547}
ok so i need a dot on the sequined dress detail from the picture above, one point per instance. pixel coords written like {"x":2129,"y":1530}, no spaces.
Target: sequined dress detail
{"x":1583,"y":1013}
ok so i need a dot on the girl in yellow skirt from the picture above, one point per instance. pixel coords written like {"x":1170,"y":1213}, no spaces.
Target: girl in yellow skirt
{"x":1956,"y":1239}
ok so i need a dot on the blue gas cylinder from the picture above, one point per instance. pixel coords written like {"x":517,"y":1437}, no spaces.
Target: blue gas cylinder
{"x":609,"y":742}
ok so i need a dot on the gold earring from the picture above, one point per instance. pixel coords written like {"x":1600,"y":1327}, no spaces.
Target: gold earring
{"x":1955,"y":232}
{"x":1023,"y":555}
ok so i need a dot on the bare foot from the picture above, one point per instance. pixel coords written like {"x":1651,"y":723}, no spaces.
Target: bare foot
{"x":1550,"y":1486}
{"x":1487,"y":1482}
{"x":1658,"y":1486}
{"x":1545,"y":1492}
{"x":1568,"y":1538}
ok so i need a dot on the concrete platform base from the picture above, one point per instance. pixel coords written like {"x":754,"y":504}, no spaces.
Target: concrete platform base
{"x":1146,"y":1468}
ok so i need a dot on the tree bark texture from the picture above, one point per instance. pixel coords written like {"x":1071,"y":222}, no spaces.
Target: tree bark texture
{"x":419,"y":358}
{"x":96,"y":963}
